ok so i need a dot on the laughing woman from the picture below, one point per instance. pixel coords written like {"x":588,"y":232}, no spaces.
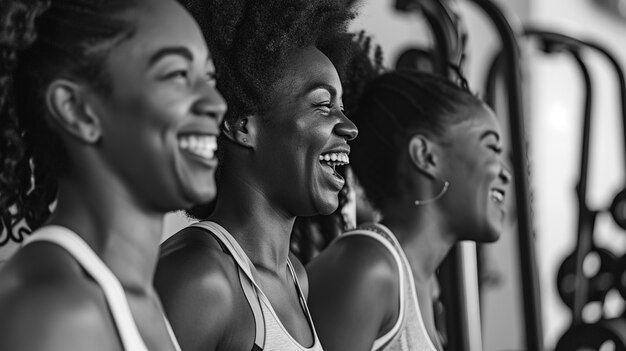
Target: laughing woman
{"x":428,"y":158}
{"x":97,"y":101}
{"x":230,"y":282}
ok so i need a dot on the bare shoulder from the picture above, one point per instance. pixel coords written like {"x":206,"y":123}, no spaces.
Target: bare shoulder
{"x":48,"y":303}
{"x":365,"y":260}
{"x":353,"y":293}
{"x":199,"y":286}
{"x":194,"y":256}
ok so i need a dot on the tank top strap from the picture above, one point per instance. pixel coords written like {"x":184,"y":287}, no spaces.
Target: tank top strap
{"x":248,"y":283}
{"x":93,"y":265}
{"x":303,"y":302}
{"x":382,"y":235}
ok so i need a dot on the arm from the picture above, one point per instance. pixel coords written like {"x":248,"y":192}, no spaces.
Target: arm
{"x":40,"y":317}
{"x":353,"y":293}
{"x":194,"y":283}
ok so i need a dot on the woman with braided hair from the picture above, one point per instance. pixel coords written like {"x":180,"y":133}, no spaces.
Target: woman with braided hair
{"x":229,"y":282}
{"x":109,"y":116}
{"x":428,"y":159}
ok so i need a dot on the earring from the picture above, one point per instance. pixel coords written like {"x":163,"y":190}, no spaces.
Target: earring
{"x":244,"y":140}
{"x":93,"y":135}
{"x":437,"y":197}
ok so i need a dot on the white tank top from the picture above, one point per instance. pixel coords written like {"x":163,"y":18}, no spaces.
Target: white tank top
{"x":270,"y":335}
{"x":112,"y":288}
{"x":409,"y":332}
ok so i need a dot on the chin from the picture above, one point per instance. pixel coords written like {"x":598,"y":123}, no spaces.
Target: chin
{"x":201,"y":196}
{"x":491,"y":237}
{"x":326,"y":208}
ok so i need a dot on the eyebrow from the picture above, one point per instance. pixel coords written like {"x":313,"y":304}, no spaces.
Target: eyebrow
{"x":319,"y":85}
{"x":488,"y":133}
{"x":178,"y":50}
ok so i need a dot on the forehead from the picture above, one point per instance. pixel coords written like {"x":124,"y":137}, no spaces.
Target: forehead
{"x":305,"y":69}
{"x":159,"y":23}
{"x":481,"y":120}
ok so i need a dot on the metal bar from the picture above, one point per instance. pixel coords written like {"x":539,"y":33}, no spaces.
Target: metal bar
{"x":607,"y":54}
{"x":528,"y":265}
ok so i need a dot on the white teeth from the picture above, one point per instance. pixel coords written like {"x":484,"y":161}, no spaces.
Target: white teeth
{"x":200,"y":145}
{"x":497,"y":195}
{"x":338,"y":158}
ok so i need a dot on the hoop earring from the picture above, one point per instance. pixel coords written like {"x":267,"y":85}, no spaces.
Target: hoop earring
{"x":446,"y":184}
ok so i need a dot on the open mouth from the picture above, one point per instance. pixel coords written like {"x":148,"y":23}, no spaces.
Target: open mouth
{"x":334,"y":160}
{"x":201,"y":145}
{"x":497,"y":195}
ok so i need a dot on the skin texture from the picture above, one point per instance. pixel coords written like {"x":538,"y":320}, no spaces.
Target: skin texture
{"x":268,"y":179}
{"x":354,"y":285}
{"x":125,"y":171}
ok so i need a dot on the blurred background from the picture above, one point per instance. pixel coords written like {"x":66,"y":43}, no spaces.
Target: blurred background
{"x":554,"y":96}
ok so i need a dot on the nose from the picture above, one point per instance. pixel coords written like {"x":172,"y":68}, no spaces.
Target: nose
{"x":211,"y":104}
{"x":505,"y":175}
{"x":346,"y":129}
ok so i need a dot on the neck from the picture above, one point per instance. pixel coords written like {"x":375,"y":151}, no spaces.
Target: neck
{"x":262,"y":230}
{"x":125,"y":236}
{"x":423,"y":235}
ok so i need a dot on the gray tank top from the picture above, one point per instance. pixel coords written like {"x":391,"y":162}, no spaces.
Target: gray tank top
{"x":270,"y":335}
{"x":409,"y":332}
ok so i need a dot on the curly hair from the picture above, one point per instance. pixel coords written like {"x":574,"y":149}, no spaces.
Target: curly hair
{"x":39,"y":42}
{"x":250,"y":42}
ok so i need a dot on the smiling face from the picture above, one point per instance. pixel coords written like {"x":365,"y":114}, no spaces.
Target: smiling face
{"x":304,"y":136}
{"x":161,"y":118}
{"x":478,"y":179}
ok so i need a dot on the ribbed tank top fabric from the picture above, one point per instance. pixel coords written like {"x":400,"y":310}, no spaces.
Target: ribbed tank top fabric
{"x":271,"y":335}
{"x":113,"y":291}
{"x":409,"y":332}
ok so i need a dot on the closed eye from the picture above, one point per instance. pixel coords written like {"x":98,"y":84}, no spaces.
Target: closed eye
{"x":496,"y":149}
{"x":176,"y":74}
{"x":325,"y":107}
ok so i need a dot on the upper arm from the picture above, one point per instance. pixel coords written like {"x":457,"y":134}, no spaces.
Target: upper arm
{"x":354,"y":291}
{"x":39,"y":318}
{"x":197,"y":295}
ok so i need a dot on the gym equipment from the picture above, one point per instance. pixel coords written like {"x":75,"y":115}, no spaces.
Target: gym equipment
{"x":619,"y":275}
{"x":598,"y":269}
{"x":604,"y":335}
{"x":618,"y":209}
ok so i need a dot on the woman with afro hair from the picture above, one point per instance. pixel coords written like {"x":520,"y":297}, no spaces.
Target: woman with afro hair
{"x":98,"y":100}
{"x":229,"y":282}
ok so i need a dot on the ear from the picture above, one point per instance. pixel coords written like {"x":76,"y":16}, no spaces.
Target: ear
{"x":70,"y":111}
{"x":243,"y":131}
{"x":423,"y":155}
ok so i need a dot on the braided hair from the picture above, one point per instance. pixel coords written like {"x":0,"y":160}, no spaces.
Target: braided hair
{"x":42,"y":40}
{"x":250,"y":42}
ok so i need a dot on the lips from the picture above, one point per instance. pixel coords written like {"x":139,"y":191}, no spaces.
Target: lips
{"x":202,"y":146}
